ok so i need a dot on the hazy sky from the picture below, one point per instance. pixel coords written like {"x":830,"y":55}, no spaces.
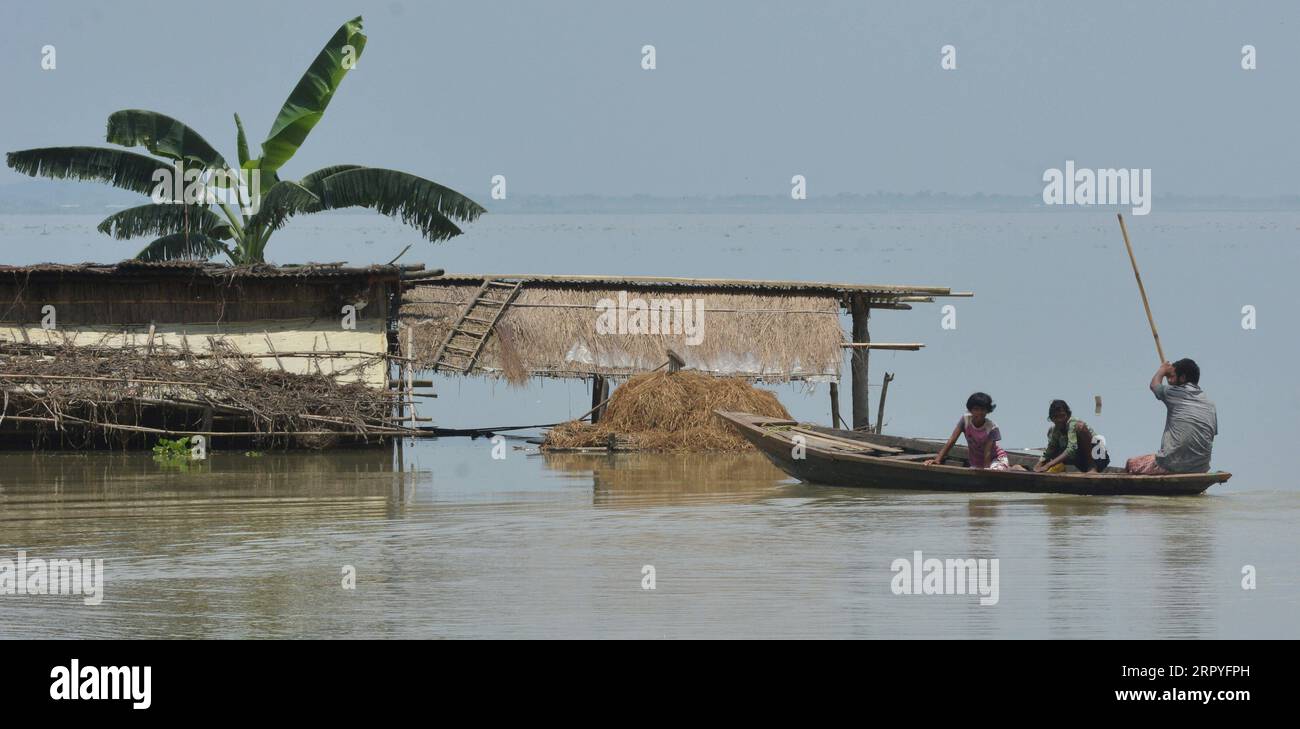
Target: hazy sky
{"x":746,"y":94}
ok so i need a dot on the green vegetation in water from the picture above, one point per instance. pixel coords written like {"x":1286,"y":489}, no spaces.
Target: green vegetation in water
{"x":254,"y":454}
{"x":168,"y":448}
{"x":175,"y":454}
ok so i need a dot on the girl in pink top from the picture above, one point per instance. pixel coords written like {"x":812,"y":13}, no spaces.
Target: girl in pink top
{"x":982,"y":436}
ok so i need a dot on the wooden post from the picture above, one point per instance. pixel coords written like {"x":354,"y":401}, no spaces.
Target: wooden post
{"x":675,"y":361}
{"x":397,"y":382}
{"x":599,"y":393}
{"x":399,"y":445}
{"x":884,"y":390}
{"x":410,"y":373}
{"x":858,"y":370}
{"x":836,"y":421}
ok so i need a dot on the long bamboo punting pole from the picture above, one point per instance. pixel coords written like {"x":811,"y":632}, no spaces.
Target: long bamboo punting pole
{"x":1141,"y":289}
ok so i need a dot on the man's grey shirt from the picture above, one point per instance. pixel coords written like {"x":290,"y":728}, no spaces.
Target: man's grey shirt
{"x":1190,"y":428}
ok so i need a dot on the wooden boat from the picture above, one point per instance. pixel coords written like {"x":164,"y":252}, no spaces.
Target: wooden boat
{"x":853,"y":458}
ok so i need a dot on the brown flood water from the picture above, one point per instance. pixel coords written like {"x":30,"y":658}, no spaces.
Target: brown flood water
{"x":462,"y":545}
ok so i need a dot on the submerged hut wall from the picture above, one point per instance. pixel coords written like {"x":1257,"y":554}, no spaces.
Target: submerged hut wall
{"x":260,"y":311}
{"x":116,"y":354}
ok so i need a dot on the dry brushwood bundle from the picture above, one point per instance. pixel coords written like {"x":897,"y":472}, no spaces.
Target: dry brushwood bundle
{"x":116,"y":392}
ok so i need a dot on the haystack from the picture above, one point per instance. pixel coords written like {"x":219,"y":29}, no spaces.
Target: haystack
{"x":670,"y":411}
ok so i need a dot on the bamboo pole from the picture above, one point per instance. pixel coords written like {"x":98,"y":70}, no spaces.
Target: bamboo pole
{"x":399,"y":383}
{"x":884,"y":390}
{"x":209,"y":409}
{"x":836,"y":420}
{"x":399,"y":255}
{"x":273,"y":353}
{"x":373,"y":430}
{"x":410,"y":373}
{"x":124,"y":380}
{"x":900,"y":346}
{"x":1141,"y":289}
{"x":882,"y":290}
{"x":271,"y":346}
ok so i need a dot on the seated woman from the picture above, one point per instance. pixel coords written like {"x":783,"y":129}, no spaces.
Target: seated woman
{"x":982,"y":436}
{"x":1071,"y":441}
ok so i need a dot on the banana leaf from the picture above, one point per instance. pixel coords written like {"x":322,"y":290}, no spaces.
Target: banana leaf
{"x":306,"y":104}
{"x":162,"y":135}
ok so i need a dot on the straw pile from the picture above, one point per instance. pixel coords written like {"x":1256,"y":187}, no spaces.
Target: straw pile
{"x":665,"y":411}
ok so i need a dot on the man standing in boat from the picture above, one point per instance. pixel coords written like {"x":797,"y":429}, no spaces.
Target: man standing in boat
{"x":1190,"y":425}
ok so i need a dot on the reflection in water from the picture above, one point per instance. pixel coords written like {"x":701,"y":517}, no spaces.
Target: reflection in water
{"x":1186,"y":548}
{"x":195,"y":542}
{"x":627,"y":479}
{"x":981,"y":518}
{"x":463,"y":545}
{"x":1077,"y":561}
{"x":1170,"y":542}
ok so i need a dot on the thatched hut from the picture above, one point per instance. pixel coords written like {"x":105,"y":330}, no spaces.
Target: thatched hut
{"x":517,"y":326}
{"x":191,"y":347}
{"x":256,"y":310}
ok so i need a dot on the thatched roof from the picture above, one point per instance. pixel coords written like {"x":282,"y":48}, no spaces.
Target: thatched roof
{"x":133,"y":268}
{"x":762,"y":330}
{"x":882,"y":294}
{"x":194,"y":292}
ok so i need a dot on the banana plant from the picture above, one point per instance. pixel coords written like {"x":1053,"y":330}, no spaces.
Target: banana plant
{"x":202,"y":206}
